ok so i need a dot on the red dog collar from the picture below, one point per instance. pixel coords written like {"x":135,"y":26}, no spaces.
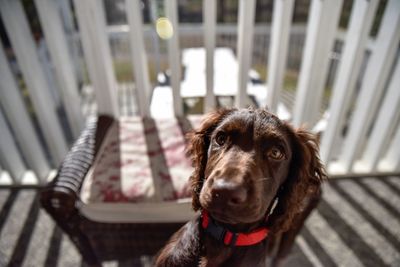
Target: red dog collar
{"x":229,"y":238}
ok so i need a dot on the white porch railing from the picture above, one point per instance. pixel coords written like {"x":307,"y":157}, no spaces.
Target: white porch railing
{"x":362,"y":133}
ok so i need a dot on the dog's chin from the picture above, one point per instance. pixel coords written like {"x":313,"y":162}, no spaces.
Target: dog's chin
{"x":224,"y":218}
{"x":235,"y":217}
{"x":236,"y":223}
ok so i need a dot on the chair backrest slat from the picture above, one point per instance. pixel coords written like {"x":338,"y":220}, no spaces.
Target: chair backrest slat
{"x":244,"y":48}
{"x":385,"y":124}
{"x":391,"y":161}
{"x":16,"y":25}
{"x":90,"y":16}
{"x":171,"y":12}
{"x":139,"y":58}
{"x":57,"y":44}
{"x":9,"y":153}
{"x":373,"y":84}
{"x":278,"y":49}
{"x":321,"y":32}
{"x":354,"y":50}
{"x":210,"y":25}
{"x":14,"y":107}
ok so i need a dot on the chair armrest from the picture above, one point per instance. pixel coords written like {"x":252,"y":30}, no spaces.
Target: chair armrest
{"x":59,"y":196}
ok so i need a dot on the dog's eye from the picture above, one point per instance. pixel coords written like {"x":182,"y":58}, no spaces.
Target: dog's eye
{"x":275,"y":153}
{"x":220,"y":139}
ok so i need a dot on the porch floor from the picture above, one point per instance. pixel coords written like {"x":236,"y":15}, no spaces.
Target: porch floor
{"x":356,"y":224}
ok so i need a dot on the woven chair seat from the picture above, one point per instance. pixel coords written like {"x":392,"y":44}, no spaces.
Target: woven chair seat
{"x":140,"y":173}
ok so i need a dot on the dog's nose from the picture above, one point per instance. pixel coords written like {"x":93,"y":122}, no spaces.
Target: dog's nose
{"x":226,"y":192}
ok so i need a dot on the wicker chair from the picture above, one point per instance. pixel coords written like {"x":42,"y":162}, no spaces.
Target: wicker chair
{"x":99,"y":241}
{"x":129,"y":236}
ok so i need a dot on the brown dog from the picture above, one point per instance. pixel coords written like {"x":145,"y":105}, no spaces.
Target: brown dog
{"x":255,"y":181}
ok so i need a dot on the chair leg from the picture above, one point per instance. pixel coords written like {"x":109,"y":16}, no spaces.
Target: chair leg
{"x":61,"y":207}
{"x":81,"y":242}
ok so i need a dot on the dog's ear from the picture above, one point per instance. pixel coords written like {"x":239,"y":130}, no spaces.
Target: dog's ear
{"x":304,"y":179}
{"x":198,"y":143}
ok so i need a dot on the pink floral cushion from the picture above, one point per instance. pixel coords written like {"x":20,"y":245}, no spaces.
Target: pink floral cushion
{"x":141,"y":161}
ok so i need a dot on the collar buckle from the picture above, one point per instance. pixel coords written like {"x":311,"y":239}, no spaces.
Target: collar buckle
{"x":218,"y":233}
{"x":233,"y":239}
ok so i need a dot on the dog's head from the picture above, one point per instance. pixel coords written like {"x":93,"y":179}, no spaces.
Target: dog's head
{"x":244,"y":159}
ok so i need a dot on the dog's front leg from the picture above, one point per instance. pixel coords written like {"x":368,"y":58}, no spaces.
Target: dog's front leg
{"x":182,"y":249}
